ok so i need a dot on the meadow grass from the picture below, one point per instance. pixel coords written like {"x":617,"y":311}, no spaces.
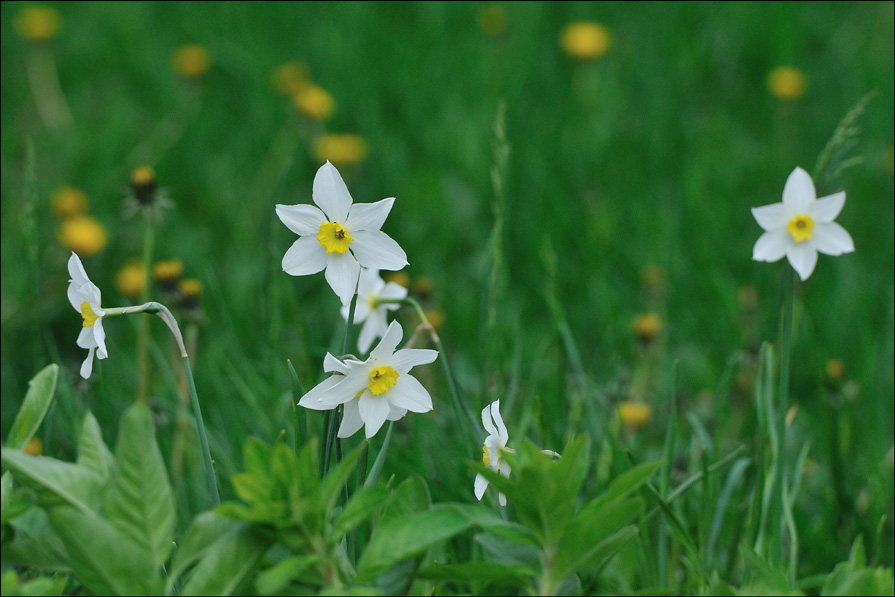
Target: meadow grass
{"x":544,"y":203}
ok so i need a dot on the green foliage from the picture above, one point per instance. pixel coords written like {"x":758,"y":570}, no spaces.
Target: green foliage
{"x":854,"y":577}
{"x":34,"y":408}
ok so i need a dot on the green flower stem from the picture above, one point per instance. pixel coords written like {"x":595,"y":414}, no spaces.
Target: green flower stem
{"x":783,"y":392}
{"x":43,"y":78}
{"x":332,"y":419}
{"x":461,"y":408}
{"x":165,"y":315}
{"x":143,"y":337}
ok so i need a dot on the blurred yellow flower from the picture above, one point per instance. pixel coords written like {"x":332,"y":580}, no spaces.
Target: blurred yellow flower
{"x":68,"y":202}
{"x":314,"y":101}
{"x":167,"y":271}
{"x":38,"y":23}
{"x":786,"y":83}
{"x":585,"y":40}
{"x":131,"y":279}
{"x":634,"y":415}
{"x":83,"y":234}
{"x":290,"y":78}
{"x":835,"y":369}
{"x":493,"y":20}
{"x":399,"y":278}
{"x":647,"y":326}
{"x":436,"y":318}
{"x":340,"y":149}
{"x":190,"y":292}
{"x":143,"y":184}
{"x":191,"y":61}
{"x":35,"y":447}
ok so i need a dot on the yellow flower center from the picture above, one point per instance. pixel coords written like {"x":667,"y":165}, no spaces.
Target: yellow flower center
{"x":333,"y":237}
{"x":87,"y":313}
{"x":800,"y":228}
{"x":381,"y":379}
{"x":486,"y":458}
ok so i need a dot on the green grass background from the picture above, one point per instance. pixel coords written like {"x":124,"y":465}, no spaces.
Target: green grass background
{"x":652,"y":155}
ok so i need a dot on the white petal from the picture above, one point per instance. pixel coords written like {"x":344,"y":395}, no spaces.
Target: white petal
{"x":386,"y":347}
{"x":487,"y":422}
{"x":301,"y":219}
{"x":481,"y":484}
{"x":406,"y":358}
{"x":370,"y":283}
{"x":351,"y":386}
{"x":306,"y":256}
{"x":76,"y":270}
{"x":826,"y":209}
{"x":374,"y":411}
{"x":409,"y":393}
{"x":331,"y":364}
{"x":331,"y":194}
{"x":501,"y":428}
{"x":325,"y":389}
{"x":374,"y":327}
{"x":771,"y":216}
{"x":832,"y":239}
{"x":351,"y":420}
{"x":395,"y":413}
{"x":86,"y":339}
{"x":493,"y":444}
{"x":376,"y":249}
{"x":799,"y":193}
{"x":502,"y":499}
{"x":504,"y":468}
{"x":803,"y":257}
{"x":341,"y":273}
{"x":87,"y":365}
{"x":99,"y":336}
{"x":368,"y":216}
{"x":80,"y":287}
{"x":361,"y":310}
{"x":771,"y":245}
{"x":77,"y":294}
{"x":393,"y":292}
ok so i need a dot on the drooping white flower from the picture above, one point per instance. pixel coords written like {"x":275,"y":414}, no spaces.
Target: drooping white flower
{"x":341,"y":238}
{"x":86,"y":298}
{"x":371,"y":289}
{"x":375,"y":390}
{"x":801,"y":226}
{"x":495,"y":443}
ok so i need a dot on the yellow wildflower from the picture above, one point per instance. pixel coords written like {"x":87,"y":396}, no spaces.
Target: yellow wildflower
{"x":314,"y":101}
{"x":290,"y":78}
{"x":131,"y":279}
{"x":647,"y":326}
{"x":38,"y":23}
{"x":83,"y":234}
{"x":634,"y":415}
{"x":341,"y":150}
{"x":399,"y":278}
{"x":191,"y":61}
{"x":68,"y":202}
{"x":585,"y":40}
{"x":35,"y":447}
{"x":786,"y":83}
{"x":167,"y":273}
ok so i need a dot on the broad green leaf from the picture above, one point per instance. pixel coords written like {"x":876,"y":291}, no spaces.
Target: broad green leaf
{"x":360,"y":507}
{"x":12,"y":586}
{"x":104,"y":559}
{"x":486,"y":572}
{"x":42,"y":552}
{"x":207,"y":529}
{"x":227,"y":563}
{"x":92,"y":450}
{"x":581,"y":544}
{"x":34,"y":407}
{"x":411,"y":495}
{"x":54,"y":480}
{"x":141,"y":502}
{"x":627,"y":482}
{"x":773,"y":578}
{"x":331,"y":486}
{"x":854,"y":578}
{"x":407,"y":536}
{"x":276,"y":579}
{"x":503,"y":550}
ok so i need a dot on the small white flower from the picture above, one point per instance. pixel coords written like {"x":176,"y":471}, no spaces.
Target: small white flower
{"x":495,"y":443}
{"x":375,"y":390}
{"x":370,"y":289}
{"x":801,"y":226}
{"x":85,"y":297}
{"x":341,"y":238}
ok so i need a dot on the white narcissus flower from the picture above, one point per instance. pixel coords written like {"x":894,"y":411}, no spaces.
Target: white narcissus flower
{"x":85,"y":297}
{"x":375,"y":390}
{"x":801,"y":226}
{"x":495,"y":443}
{"x":341,"y":238}
{"x":370,"y":289}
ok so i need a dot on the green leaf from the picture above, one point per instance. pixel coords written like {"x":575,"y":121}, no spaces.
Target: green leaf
{"x":141,"y":502}
{"x":34,"y":407}
{"x":207,"y":529}
{"x":628,"y":482}
{"x":504,"y":550}
{"x":104,"y":559}
{"x":772,"y":577}
{"x":582,"y":542}
{"x":276,"y":579}
{"x":228,"y":562}
{"x":412,"y":495}
{"x":36,"y":586}
{"x":854,"y":578}
{"x":92,"y":450}
{"x":360,"y":507}
{"x":328,"y":491}
{"x":42,"y":552}
{"x":54,"y":480}
{"x":487,"y":572}
{"x":407,"y":536}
